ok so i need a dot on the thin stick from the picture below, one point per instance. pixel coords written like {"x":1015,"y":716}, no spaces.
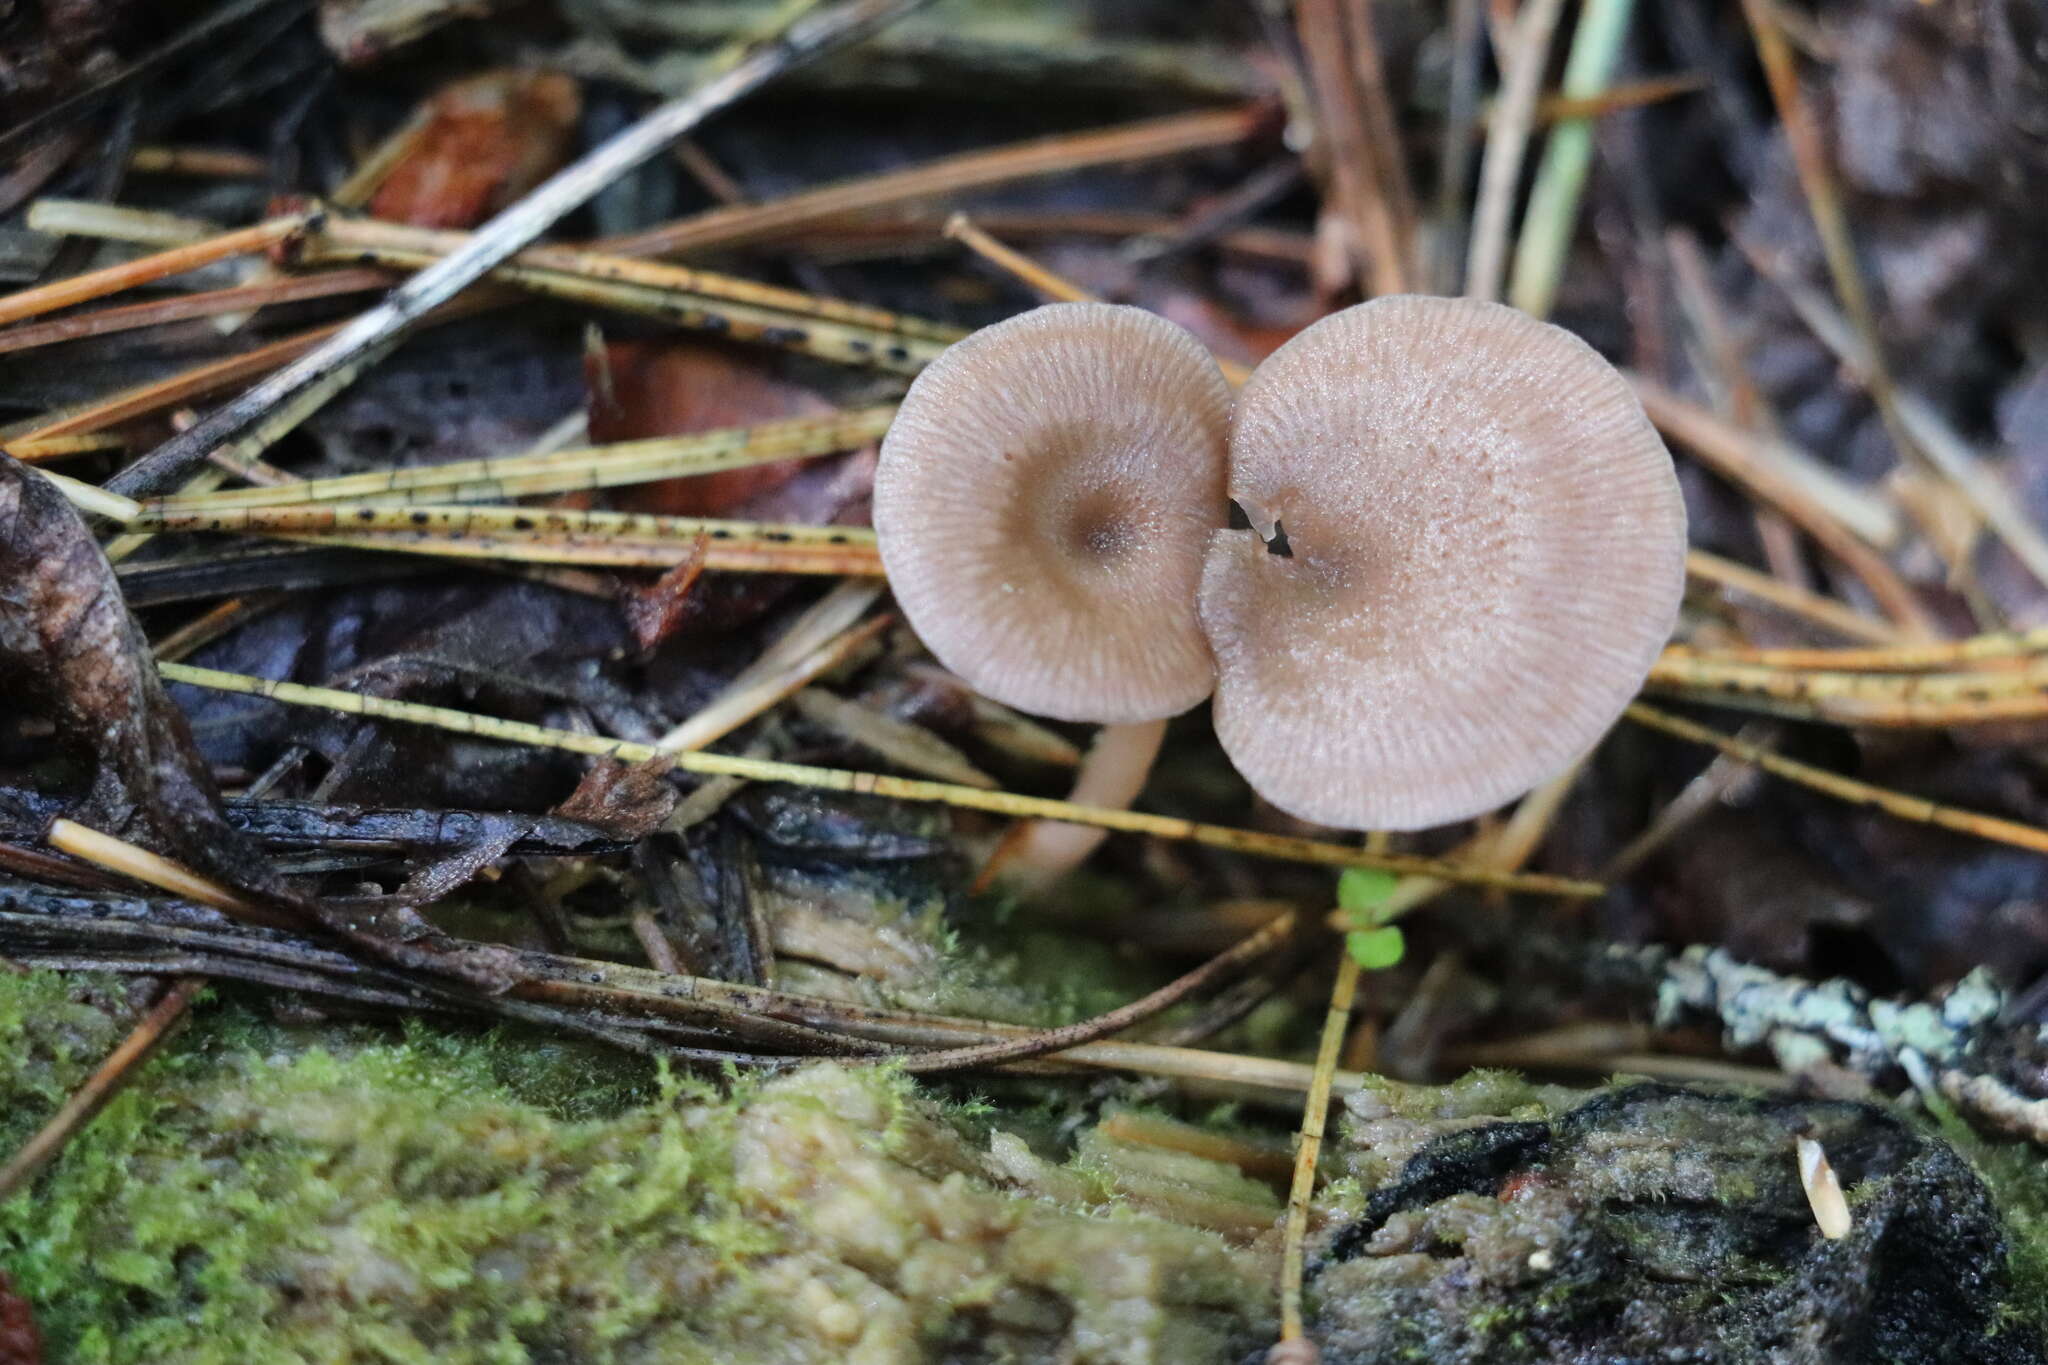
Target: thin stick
{"x":1013,"y":262}
{"x":1824,"y":203}
{"x":211,"y":163}
{"x":744,"y":224}
{"x":178,"y":388}
{"x":1507,"y":138}
{"x":88,"y":497}
{"x":1735,"y":453}
{"x":764,"y":692}
{"x":1821,"y":611}
{"x":1941,"y":445}
{"x":118,"y":855}
{"x":1904,"y":807}
{"x":1249,"y":949}
{"x":1383,"y":138}
{"x":565,"y":471}
{"x":61,"y":447}
{"x":312,"y":378}
{"x":1251,"y":842}
{"x":741,"y":553}
{"x":211,"y":303}
{"x":1895,"y":658}
{"x":1553,"y":212}
{"x":106,"y":1079}
{"x":1314,"y":1113}
{"x":1780,"y":473}
{"x":95,"y":284}
{"x":896,"y":348}
{"x":1454,"y":158}
{"x":1343,"y":128}
{"x":410,"y":245}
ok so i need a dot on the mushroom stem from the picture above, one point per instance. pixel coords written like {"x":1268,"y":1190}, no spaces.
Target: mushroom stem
{"x":1038,"y":853}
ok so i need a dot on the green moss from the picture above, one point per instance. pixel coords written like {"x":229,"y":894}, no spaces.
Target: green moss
{"x":2018,"y":1178}
{"x":283,"y":1194}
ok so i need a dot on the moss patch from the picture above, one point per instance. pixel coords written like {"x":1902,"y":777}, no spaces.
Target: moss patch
{"x":290,"y":1194}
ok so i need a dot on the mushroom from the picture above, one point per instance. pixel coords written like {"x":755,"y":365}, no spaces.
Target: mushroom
{"x":1043,"y":503}
{"x":1470,"y":547}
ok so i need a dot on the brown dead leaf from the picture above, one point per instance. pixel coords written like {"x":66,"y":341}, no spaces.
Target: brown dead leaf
{"x":625,"y":800}
{"x":658,"y":610}
{"x":488,"y":140}
{"x":672,"y":388}
{"x":68,"y":645}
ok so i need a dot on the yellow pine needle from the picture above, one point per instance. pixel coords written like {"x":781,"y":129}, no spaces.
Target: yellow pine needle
{"x":1726,"y":574}
{"x":1315,"y":1111}
{"x":1824,"y":685}
{"x":1251,"y":842}
{"x":741,"y":554}
{"x":843,"y":342}
{"x":1998,"y":647}
{"x":463,"y":519}
{"x":565,"y":471}
{"x":59,"y":447}
{"x":1848,"y":789}
{"x":1032,"y":275}
{"x":415,"y":245}
{"x":1014,"y":263}
{"x":114,"y":279}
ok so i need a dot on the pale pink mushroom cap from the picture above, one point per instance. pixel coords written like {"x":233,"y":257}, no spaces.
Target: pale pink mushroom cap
{"x":1043,"y":503}
{"x":1488,"y":550}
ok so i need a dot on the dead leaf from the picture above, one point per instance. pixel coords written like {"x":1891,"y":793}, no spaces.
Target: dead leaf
{"x":68,"y":644}
{"x":488,"y":140}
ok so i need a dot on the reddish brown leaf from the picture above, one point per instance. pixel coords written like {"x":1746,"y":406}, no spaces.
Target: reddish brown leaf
{"x":672,"y":388}
{"x":656,"y":611}
{"x":488,"y":140}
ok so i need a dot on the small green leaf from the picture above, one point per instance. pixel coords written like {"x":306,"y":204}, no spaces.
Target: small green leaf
{"x":1362,"y":890}
{"x":1376,"y":949}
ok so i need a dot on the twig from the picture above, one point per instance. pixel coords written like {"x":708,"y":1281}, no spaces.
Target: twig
{"x":409,"y":246}
{"x":1824,"y":203}
{"x":565,"y":471}
{"x":321,"y":373}
{"x":1904,"y":807}
{"x":1314,"y":1112}
{"x":1348,"y":138}
{"x":212,"y":163}
{"x":196,"y":382}
{"x":1894,"y":658}
{"x":1250,"y":842}
{"x":1553,"y":213}
{"x":95,"y":284}
{"x":1250,"y":949}
{"x":961,"y":228}
{"x":1937,"y":441}
{"x":750,"y":223}
{"x":1822,"y":611}
{"x":89,"y":1098}
{"x":1507,"y":138}
{"x":1769,"y":471}
{"x":211,"y":303}
{"x":1454,"y":159}
{"x":793,"y":662}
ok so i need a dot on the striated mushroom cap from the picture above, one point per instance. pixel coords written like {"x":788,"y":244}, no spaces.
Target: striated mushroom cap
{"x":1484,"y":551}
{"x":1043,"y":503}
